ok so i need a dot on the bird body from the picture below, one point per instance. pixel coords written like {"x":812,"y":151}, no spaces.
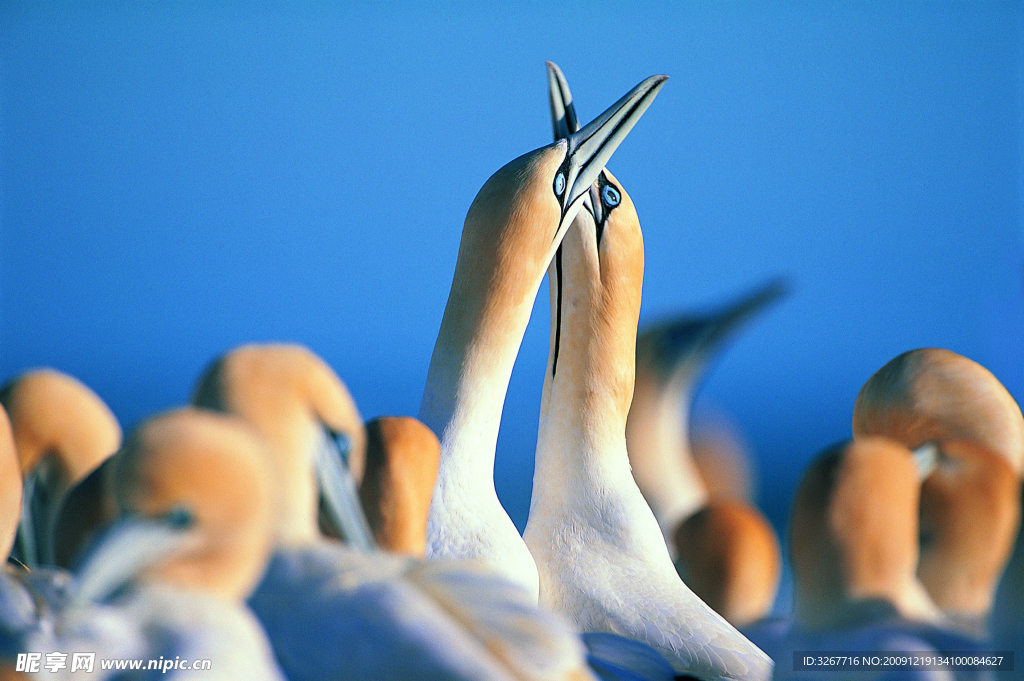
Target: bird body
{"x":196,"y":626}
{"x":395,"y":617}
{"x":884,"y":633}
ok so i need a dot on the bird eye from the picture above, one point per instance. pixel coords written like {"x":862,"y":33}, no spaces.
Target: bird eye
{"x":559,"y":184}
{"x":180,"y":518}
{"x":610,"y":196}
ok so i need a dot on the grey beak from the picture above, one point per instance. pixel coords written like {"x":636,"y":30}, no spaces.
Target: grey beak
{"x":127,"y":548}
{"x":338,"y":489}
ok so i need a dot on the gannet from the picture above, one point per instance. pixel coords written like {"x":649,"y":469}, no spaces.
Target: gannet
{"x":672,"y":359}
{"x":600,"y":554}
{"x":10,"y":486}
{"x":195,"y":497}
{"x":725,"y":549}
{"x":853,"y":546}
{"x":27,"y":597}
{"x":402,"y":457}
{"x":511,"y":233}
{"x":335,"y":612}
{"x":853,"y":534}
{"x":62,"y":430}
{"x":970,"y":504}
{"x":299,"y":404}
{"x":729,"y":555}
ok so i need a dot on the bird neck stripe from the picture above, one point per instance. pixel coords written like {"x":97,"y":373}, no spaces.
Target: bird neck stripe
{"x":558,"y":308}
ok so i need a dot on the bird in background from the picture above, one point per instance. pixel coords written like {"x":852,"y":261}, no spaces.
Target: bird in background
{"x":384,"y":615}
{"x":1008,"y":604}
{"x":195,"y":497}
{"x":511,"y":232}
{"x":297,"y":402}
{"x":19,"y":609}
{"x":58,"y":430}
{"x":62,"y":431}
{"x":722,"y":455}
{"x":853,"y":535}
{"x":402,"y":457}
{"x":10,"y":480}
{"x":601,"y":556}
{"x":971,"y":502}
{"x":724,"y":548}
{"x":853,"y":545}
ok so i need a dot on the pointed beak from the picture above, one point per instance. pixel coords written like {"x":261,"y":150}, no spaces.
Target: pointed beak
{"x":128,"y":547}
{"x":339,"y":492}
{"x":590,"y":148}
{"x":563,"y":112}
{"x":26,"y":545}
{"x":686,"y":347}
{"x":927,"y":458}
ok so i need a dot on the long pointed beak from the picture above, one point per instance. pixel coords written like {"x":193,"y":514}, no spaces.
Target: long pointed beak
{"x":927,"y":458}
{"x":590,"y":148}
{"x":127,"y":548}
{"x":563,"y":112}
{"x":26,"y":544}
{"x":338,"y":489}
{"x":687,"y":346}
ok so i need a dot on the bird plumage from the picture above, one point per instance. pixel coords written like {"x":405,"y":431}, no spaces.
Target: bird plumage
{"x":970,"y":503}
{"x":600,"y":553}
{"x":383,"y":616}
{"x":62,"y":430}
{"x":511,"y":232}
{"x":402,"y":457}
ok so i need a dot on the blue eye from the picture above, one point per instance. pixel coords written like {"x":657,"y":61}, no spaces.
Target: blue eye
{"x":180,"y":518}
{"x":559,"y":184}
{"x":610,"y":196}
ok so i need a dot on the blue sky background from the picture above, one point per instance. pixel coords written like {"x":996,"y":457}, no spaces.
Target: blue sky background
{"x":177,"y":178}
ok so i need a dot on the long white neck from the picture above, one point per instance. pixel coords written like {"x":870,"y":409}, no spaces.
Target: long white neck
{"x":507,"y":242}
{"x":581,"y":440}
{"x":466,"y":385}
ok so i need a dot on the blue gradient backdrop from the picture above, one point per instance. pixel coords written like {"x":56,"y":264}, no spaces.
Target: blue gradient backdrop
{"x":178,"y":178}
